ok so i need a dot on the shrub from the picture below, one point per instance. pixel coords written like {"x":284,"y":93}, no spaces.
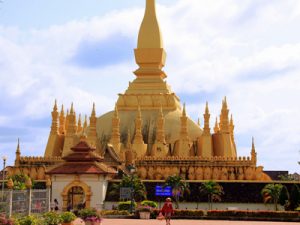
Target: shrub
{"x":115,"y":212}
{"x":89,"y":214}
{"x":149,"y":203}
{"x":126,"y":205}
{"x":67,"y":217}
{"x":52,"y":218}
{"x":188,"y":213}
{"x":29,"y":220}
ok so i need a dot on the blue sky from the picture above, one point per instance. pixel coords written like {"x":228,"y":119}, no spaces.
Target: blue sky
{"x":82,"y":52}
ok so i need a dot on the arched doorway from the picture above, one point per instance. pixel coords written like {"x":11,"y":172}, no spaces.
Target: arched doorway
{"x":76,"y":198}
{"x":75,"y":194}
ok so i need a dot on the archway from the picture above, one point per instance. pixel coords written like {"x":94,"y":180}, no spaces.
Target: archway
{"x":75,"y":188}
{"x":76,"y":197}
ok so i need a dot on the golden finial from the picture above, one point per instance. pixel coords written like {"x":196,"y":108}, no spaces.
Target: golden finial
{"x":231,"y":120}
{"x":253,"y":146}
{"x":71,"y":110}
{"x":85,"y":122}
{"x":216,"y":128}
{"x":206,"y":108}
{"x":18,"y":147}
{"x":183,"y":111}
{"x":55,"y":106}
{"x":93,"y":110}
{"x":149,"y":34}
{"x":225,"y":103}
{"x":62,"y":112}
{"x":79,"y":125}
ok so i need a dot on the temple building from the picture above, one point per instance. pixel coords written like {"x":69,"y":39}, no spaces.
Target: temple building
{"x":148,"y":128}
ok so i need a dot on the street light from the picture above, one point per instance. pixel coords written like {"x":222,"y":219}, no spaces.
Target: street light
{"x":3,"y":173}
{"x":131,"y":171}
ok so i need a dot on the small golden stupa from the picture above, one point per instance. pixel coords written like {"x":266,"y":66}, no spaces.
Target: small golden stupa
{"x":149,"y":128}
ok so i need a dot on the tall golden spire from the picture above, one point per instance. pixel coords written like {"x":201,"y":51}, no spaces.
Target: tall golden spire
{"x":67,"y":121}
{"x":253,"y":152}
{"x":160,"y":126}
{"x":128,"y":143}
{"x":224,"y":121}
{"x":92,"y":134}
{"x":206,"y":129}
{"x":216,"y":128}
{"x":115,"y":136}
{"x":71,"y":130}
{"x":138,"y":137}
{"x":18,"y":154}
{"x":183,"y":128}
{"x":54,"y":125}
{"x":150,"y":35}
{"x":79,"y":125}
{"x":149,"y":54}
{"x":85,"y":122}
{"x":150,"y":57}
{"x":62,"y":120}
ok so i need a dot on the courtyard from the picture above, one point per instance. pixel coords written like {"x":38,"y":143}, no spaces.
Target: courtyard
{"x":186,"y":222}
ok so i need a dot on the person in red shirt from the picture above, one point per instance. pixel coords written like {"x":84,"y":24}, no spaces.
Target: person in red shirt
{"x":167,"y":210}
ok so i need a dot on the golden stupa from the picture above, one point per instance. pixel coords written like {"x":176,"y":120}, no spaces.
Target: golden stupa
{"x":149,"y":128}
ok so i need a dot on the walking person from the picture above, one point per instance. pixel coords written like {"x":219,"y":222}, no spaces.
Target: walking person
{"x":167,"y":210}
{"x":56,"y":205}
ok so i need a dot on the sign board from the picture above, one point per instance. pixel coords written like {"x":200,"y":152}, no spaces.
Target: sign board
{"x":163,"y":191}
{"x":125,"y":193}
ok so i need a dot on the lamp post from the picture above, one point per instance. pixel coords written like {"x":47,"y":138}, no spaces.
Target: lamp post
{"x":132,"y":171}
{"x":3,"y":173}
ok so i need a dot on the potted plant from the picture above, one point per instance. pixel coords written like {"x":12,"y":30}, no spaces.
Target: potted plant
{"x":5,"y":221}
{"x":90,"y":216}
{"x":67,"y":218}
{"x":27,"y":220}
{"x":52,"y":218}
{"x":144,"y":211}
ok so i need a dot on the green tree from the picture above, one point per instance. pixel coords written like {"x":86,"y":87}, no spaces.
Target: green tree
{"x":212,"y":190}
{"x":271,"y":193}
{"x":20,"y":181}
{"x":284,"y":197}
{"x":179,"y":187}
{"x":294,"y":197}
{"x":139,"y":189}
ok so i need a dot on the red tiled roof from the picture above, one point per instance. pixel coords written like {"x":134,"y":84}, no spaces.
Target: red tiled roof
{"x":82,"y":168}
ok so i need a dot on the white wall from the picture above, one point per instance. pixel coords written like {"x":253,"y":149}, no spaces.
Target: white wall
{"x":98,"y":185}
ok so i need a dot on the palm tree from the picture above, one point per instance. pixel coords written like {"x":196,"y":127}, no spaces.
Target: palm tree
{"x":271,"y":192}
{"x":213,"y":190}
{"x":179,"y":187}
{"x":139,"y":189}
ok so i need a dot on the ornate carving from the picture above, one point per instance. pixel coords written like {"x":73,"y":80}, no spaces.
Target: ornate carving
{"x":207,"y":173}
{"x":224,"y":174}
{"x":199,"y":173}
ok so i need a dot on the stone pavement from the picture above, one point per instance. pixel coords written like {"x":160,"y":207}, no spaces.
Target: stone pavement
{"x":185,"y":222}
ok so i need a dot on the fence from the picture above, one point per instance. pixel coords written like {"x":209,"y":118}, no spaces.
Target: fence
{"x":24,"y":202}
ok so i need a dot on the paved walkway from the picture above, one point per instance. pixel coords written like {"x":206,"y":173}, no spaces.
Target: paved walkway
{"x":184,"y":222}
